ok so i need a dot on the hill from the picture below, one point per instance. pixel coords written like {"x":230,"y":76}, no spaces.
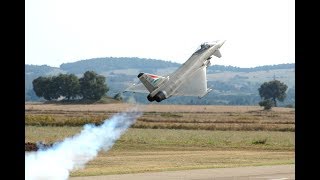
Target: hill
{"x":102,"y":65}
{"x":231,"y":85}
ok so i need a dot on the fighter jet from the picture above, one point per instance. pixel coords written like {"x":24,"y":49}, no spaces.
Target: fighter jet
{"x":188,"y":80}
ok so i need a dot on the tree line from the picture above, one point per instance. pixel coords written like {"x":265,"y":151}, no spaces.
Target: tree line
{"x":90,"y":86}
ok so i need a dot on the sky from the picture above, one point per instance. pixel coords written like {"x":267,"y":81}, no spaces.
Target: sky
{"x":257,"y":33}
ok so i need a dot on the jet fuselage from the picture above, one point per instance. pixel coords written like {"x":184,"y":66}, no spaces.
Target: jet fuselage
{"x":198,"y":59}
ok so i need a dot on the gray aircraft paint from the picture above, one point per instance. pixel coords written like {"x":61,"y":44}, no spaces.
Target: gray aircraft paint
{"x":188,"y":80}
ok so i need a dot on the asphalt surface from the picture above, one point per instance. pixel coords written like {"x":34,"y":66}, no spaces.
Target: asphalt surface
{"x":279,"y":172}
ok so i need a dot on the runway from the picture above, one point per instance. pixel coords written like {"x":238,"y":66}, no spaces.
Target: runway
{"x":278,"y":172}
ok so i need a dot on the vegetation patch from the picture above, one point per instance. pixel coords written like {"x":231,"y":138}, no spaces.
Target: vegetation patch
{"x":171,"y":115}
{"x":50,"y":120}
{"x":199,"y":137}
{"x":174,"y":139}
{"x":260,"y":141}
{"x":225,"y":119}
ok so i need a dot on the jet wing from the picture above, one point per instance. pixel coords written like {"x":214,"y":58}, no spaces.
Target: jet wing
{"x":140,"y":88}
{"x":195,"y":84}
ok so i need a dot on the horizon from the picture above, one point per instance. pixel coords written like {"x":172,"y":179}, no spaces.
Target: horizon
{"x":256,"y":32}
{"x":154,"y":60}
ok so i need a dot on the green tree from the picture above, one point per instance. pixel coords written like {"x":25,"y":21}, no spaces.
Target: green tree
{"x":68,"y":85}
{"x":273,"y":90}
{"x":54,"y":87}
{"x":45,"y":87}
{"x":39,"y":85}
{"x":93,"y":86}
{"x":267,"y":104}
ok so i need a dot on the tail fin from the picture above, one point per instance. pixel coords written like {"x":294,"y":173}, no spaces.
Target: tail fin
{"x":151,"y":81}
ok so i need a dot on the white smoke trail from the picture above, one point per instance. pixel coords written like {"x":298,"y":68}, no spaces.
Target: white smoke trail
{"x":131,"y":100}
{"x":74,"y":152}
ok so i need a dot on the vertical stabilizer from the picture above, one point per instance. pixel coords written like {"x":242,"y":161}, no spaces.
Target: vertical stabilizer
{"x":151,"y":81}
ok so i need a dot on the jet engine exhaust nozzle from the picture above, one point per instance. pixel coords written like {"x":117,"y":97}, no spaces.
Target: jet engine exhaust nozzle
{"x":160,"y":96}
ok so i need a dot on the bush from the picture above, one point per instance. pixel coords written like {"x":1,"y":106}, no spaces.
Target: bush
{"x":118,"y":96}
{"x":260,"y":141}
{"x":267,"y":104}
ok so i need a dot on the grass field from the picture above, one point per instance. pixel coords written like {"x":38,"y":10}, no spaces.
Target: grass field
{"x":141,"y":161}
{"x":145,"y":150}
{"x":173,"y":137}
{"x":170,"y":139}
{"x":238,"y":118}
{"x":152,"y":107}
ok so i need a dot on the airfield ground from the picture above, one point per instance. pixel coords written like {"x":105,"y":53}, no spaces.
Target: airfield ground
{"x":173,"y":137}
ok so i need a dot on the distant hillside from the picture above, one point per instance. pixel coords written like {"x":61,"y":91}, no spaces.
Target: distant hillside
{"x":232,"y":85}
{"x":112,"y":63}
{"x":219,"y":68}
{"x":117,"y":63}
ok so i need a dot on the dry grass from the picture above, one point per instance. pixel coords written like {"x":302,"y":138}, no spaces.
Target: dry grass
{"x":147,"y":108}
{"x":169,"y":139}
{"x":62,"y":120}
{"x":173,"y":148}
{"x":118,"y":162}
{"x":239,"y":118}
{"x":146,"y":150}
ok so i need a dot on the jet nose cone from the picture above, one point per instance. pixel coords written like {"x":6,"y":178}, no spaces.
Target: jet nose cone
{"x":222,"y":42}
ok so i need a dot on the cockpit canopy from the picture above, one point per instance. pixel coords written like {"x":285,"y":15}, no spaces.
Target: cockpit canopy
{"x":204,"y":46}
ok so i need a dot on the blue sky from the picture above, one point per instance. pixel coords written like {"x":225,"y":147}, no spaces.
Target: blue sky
{"x":256,"y":32}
